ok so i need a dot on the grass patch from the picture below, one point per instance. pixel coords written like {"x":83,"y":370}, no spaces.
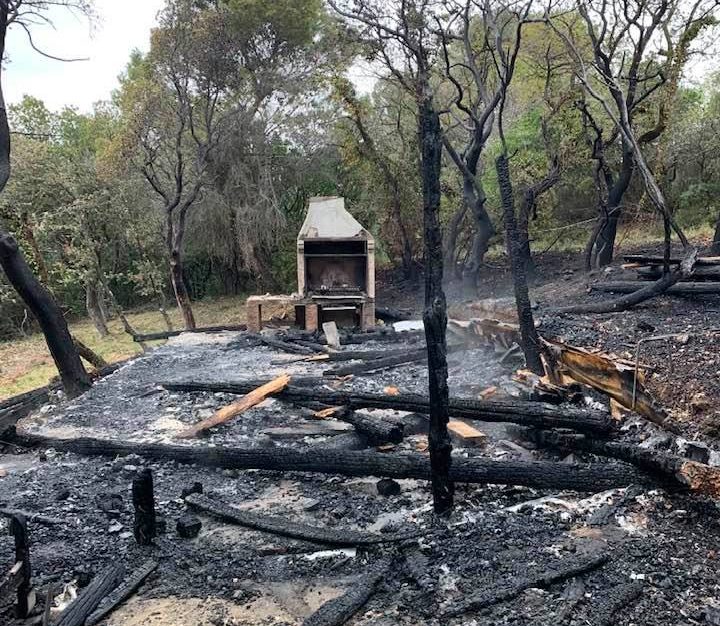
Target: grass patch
{"x":26,"y":363}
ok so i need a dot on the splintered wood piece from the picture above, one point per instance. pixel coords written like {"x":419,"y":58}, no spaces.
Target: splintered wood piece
{"x":615,"y":377}
{"x":392,"y":391}
{"x":486,"y":393}
{"x":256,"y":396}
{"x":331,"y":411}
{"x":467,"y":432}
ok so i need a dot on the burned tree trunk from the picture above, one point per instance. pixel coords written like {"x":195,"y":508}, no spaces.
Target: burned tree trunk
{"x":48,"y":314}
{"x":435,"y":313}
{"x":182,"y":296}
{"x":715,"y":248}
{"x":94,"y":310}
{"x":528,"y":209}
{"x":530,"y":339}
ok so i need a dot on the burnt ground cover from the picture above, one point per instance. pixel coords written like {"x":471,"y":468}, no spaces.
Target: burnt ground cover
{"x":663,"y":544}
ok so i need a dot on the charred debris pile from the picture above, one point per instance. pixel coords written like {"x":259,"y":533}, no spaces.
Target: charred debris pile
{"x":568,"y":481}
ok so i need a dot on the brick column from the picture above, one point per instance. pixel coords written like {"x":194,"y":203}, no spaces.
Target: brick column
{"x":312,"y":314}
{"x":254,"y":315}
{"x":367,"y":315}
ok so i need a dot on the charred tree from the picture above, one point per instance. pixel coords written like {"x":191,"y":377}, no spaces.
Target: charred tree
{"x":37,"y":298}
{"x":92,"y":304}
{"x":528,"y":333}
{"x":435,"y":313}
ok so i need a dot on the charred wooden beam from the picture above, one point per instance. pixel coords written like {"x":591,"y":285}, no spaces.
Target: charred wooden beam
{"x":17,"y":580}
{"x":389,"y":314}
{"x":381,"y":335}
{"x":375,"y":429}
{"x":144,"y":504}
{"x":122,"y":593}
{"x":338,"y":611}
{"x":90,"y":597}
{"x":678,"y":289}
{"x":538,"y":474}
{"x":287,"y":528}
{"x":508,"y":589}
{"x":140,"y":338}
{"x":286,"y":346}
{"x":674,"y":470}
{"x":511,"y":411}
{"x":376,"y":365}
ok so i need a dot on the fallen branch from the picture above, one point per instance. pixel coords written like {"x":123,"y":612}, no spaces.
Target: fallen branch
{"x":634,"y":297}
{"x":508,"y":589}
{"x":91,"y":596}
{"x":512,"y":411}
{"x":539,"y":474}
{"x":254,"y":397}
{"x":338,"y":611}
{"x":122,"y":593}
{"x":679,"y":289}
{"x":89,"y":354}
{"x":140,"y":338}
{"x":287,"y":528}
{"x":642,"y":259}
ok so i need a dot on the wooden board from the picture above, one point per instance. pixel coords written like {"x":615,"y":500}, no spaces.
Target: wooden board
{"x":256,"y":396}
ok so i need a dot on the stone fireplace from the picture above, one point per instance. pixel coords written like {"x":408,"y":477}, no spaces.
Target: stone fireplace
{"x":336,"y":267}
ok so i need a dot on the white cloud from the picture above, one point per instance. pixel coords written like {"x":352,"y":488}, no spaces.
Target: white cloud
{"x":122,"y":26}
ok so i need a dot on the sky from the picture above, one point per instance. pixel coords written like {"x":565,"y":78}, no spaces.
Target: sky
{"x":121,"y":26}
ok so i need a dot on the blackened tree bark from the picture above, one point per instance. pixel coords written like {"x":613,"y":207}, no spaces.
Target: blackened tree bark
{"x":715,"y":248}
{"x":37,"y":298}
{"x":435,"y":313}
{"x":94,"y":310}
{"x":530,"y":339}
{"x":528,"y":209}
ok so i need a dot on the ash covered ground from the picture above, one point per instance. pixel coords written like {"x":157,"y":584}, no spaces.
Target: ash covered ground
{"x":667,"y":543}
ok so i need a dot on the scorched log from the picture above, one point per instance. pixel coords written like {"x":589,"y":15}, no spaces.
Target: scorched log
{"x":122,"y":593}
{"x":508,"y":589}
{"x":90,"y":597}
{"x":678,"y":289}
{"x":538,"y":474}
{"x":675,"y":471}
{"x":338,"y":611}
{"x":287,"y":528}
{"x":375,"y":429}
{"x":525,"y":413}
